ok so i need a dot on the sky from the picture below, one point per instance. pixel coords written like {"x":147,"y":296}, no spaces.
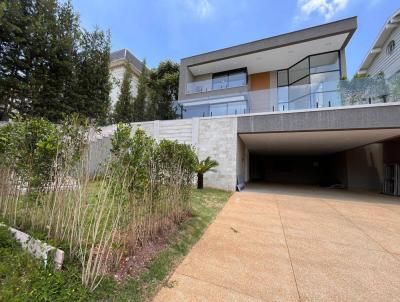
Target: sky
{"x":173,"y":29}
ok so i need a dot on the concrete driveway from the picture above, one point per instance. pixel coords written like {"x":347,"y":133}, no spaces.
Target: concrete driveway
{"x":295,"y":244}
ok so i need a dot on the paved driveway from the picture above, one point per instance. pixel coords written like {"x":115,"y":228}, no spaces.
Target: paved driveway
{"x":295,"y":244}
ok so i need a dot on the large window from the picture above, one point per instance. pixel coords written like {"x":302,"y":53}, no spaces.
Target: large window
{"x":312,"y":82}
{"x":229,"y":79}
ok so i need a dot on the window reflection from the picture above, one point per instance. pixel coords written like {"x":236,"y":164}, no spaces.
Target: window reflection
{"x":229,"y":79}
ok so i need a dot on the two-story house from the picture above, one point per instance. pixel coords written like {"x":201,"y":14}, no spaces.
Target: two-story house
{"x":297,"y":70}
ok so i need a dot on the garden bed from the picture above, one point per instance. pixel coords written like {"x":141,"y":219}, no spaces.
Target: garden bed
{"x":155,"y":261}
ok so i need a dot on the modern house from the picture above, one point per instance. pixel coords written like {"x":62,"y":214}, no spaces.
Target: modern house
{"x":384,"y":55}
{"x":119,"y":59}
{"x":276,"y":110}
{"x":297,"y":70}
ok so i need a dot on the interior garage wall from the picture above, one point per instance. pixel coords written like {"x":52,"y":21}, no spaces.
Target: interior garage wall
{"x":365,"y":167}
{"x":242,"y":163}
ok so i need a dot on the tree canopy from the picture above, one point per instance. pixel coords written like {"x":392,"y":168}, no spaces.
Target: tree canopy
{"x":163,"y":91}
{"x":49,"y":66}
{"x":123,"y":111}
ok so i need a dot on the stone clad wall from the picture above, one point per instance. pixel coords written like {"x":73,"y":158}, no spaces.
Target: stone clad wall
{"x":214,"y":137}
{"x":218,"y":139}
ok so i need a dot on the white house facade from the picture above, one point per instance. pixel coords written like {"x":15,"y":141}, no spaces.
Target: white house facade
{"x":118,"y":62}
{"x":384,"y":55}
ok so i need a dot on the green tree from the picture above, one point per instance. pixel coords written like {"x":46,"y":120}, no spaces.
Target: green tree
{"x":54,"y":51}
{"x":15,"y":63}
{"x":93,"y":86}
{"x":163,"y":86}
{"x":139,"y":103}
{"x":123,"y":112}
{"x":49,"y":66}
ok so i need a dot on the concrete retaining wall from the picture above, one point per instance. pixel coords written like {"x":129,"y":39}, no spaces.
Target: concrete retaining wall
{"x":214,"y":137}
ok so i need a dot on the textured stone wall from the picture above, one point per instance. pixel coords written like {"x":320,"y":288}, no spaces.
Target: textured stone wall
{"x":218,"y":139}
{"x":214,"y":137}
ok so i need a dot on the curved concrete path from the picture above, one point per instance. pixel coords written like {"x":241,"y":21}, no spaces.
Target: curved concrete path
{"x":295,"y":244}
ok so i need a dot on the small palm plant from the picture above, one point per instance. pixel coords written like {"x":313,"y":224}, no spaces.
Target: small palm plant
{"x":204,"y":166}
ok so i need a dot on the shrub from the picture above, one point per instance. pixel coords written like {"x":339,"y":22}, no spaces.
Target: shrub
{"x":145,"y":188}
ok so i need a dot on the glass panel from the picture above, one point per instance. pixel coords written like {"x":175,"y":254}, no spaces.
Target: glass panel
{"x":237,"y":108}
{"x":299,"y":89}
{"x":326,"y":99}
{"x":220,"y":82}
{"x":283,"y":106}
{"x":283,"y":94}
{"x":300,"y":103}
{"x":218,"y":109}
{"x":298,"y":71}
{"x":195,"y":111}
{"x":324,"y":62}
{"x":327,"y":81}
{"x":237,"y":79}
{"x":282,"y":78}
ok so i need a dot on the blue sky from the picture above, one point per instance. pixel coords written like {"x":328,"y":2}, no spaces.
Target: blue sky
{"x":162,"y":29}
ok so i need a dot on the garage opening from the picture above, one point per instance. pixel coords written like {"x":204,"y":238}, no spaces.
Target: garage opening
{"x":355,"y":159}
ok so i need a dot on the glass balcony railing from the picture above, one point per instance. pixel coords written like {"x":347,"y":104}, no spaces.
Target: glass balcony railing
{"x":210,"y":85}
{"x":362,"y":91}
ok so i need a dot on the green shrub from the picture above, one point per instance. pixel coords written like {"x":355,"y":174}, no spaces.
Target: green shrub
{"x":36,"y":150}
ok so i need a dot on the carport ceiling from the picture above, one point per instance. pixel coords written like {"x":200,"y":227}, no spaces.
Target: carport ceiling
{"x":314,"y":143}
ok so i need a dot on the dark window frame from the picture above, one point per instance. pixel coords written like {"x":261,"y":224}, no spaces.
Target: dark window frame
{"x":309,"y":73}
{"x":227,"y":73}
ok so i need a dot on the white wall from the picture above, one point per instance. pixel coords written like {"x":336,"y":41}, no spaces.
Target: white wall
{"x":117,"y":75}
{"x":389,"y":64}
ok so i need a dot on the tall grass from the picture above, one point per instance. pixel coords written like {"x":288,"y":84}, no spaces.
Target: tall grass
{"x":144,"y":189}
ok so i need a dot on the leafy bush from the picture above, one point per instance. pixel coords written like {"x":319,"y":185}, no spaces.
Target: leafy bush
{"x":37,"y":150}
{"x":144,"y":190}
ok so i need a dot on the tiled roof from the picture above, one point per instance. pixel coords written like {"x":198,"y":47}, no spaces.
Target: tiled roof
{"x":124,"y":54}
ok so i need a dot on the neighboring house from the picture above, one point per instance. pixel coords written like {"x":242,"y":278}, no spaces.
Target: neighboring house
{"x":119,"y":59}
{"x":297,"y":70}
{"x":384,"y":55}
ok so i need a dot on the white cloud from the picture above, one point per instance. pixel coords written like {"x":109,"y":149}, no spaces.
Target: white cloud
{"x":201,"y":8}
{"x":326,"y":8}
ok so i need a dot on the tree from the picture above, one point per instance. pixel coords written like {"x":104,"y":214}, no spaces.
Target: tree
{"x":93,"y":86}
{"x":204,"y":166}
{"x":123,"y":112}
{"x":163,"y":86}
{"x":15,"y":29}
{"x":49,"y":66}
{"x":141,"y":97}
{"x":54,"y":53}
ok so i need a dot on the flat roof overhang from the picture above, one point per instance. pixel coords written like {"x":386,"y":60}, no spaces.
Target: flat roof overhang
{"x":277,"y":52}
{"x":314,"y":143}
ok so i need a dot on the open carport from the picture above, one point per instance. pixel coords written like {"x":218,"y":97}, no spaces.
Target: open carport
{"x":346,"y":158}
{"x":350,"y":147}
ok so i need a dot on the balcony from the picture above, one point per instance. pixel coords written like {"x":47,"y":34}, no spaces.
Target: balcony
{"x":334,"y":94}
{"x":223,"y":80}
